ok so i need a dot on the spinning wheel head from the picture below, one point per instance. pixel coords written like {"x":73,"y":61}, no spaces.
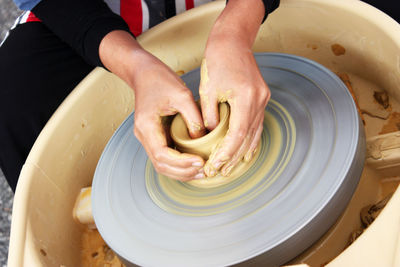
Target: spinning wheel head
{"x":309,"y":163}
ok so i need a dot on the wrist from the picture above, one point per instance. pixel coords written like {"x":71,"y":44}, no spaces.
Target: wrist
{"x":235,"y":23}
{"x":122,"y":55}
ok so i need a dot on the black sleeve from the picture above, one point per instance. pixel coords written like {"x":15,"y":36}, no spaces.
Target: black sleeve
{"x":270,"y":6}
{"x":80,"y":23}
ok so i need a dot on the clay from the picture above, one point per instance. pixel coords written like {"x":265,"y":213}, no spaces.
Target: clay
{"x":368,"y":214}
{"x":95,"y":251}
{"x":180,"y":72}
{"x":312,"y":46}
{"x":346,"y":79}
{"x":365,"y":96}
{"x":82,"y":211}
{"x":338,"y":50}
{"x":392,"y":124}
{"x":382,"y":98}
{"x":202,"y":146}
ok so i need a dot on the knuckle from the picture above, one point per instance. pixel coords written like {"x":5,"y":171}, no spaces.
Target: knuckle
{"x":158,"y":156}
{"x":186,"y":94}
{"x":264,"y":96}
{"x":239,"y":133}
{"x":139,"y":124}
{"x":159,"y":167}
{"x":137,"y":131}
{"x":186,"y":176}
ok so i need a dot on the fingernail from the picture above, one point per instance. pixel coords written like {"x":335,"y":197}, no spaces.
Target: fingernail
{"x":207,"y":169}
{"x":212,"y":173}
{"x":227,"y":171}
{"x":217,"y":164}
{"x":199,"y":176}
{"x":197,"y":164}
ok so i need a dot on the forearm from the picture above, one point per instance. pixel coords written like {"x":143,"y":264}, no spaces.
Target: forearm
{"x":235,"y":24}
{"x":80,"y":23}
{"x":118,"y":51}
{"x":122,"y":55}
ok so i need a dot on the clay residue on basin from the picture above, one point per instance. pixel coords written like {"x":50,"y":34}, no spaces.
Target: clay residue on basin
{"x":379,"y":111}
{"x":95,"y":251}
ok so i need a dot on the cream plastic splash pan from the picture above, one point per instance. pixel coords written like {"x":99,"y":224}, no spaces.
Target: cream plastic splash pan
{"x":65,"y":155}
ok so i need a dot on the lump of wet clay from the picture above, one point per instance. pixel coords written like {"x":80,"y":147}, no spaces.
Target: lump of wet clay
{"x":204,"y":146}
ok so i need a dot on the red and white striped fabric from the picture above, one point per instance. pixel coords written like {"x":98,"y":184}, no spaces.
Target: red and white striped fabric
{"x":134,"y":12}
{"x":183,"y":5}
{"x":28,"y":17}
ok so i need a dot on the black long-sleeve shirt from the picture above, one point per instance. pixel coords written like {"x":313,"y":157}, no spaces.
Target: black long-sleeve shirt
{"x":84,"y":23}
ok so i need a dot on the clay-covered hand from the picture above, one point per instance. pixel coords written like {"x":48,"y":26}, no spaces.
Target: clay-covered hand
{"x":229,"y":73}
{"x":159,"y":92}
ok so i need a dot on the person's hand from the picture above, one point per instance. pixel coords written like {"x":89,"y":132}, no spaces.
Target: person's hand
{"x":159,"y":92}
{"x":229,"y":73}
{"x":164,"y":96}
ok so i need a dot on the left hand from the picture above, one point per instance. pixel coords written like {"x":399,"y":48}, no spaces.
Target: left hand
{"x":229,"y":73}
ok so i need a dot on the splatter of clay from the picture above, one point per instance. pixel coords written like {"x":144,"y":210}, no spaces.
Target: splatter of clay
{"x":338,"y":50}
{"x":312,"y":46}
{"x":392,"y":125}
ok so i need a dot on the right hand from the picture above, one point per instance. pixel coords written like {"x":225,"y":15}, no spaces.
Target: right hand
{"x":159,"y":92}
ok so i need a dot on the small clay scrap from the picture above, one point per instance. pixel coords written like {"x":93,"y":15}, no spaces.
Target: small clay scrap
{"x":367,"y":216}
{"x":312,"y":46}
{"x":338,"y":50}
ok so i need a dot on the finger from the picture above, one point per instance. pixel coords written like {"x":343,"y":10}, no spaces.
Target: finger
{"x":256,"y":140}
{"x":238,"y":130}
{"x":181,"y":174}
{"x":208,"y":100}
{"x":191,"y":115}
{"x":230,"y":165}
{"x":175,"y":158}
{"x":150,"y":133}
{"x":209,"y":109}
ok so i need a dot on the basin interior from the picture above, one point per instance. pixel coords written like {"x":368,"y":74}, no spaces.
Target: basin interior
{"x":65,"y":155}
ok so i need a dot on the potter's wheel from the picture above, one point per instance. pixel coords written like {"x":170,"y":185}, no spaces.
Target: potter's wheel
{"x":314,"y":163}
